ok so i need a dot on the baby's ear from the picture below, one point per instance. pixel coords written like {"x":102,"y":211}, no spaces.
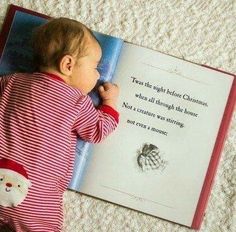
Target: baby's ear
{"x":66,"y":65}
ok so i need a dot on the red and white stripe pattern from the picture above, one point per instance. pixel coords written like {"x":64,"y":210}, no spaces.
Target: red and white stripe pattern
{"x":40,"y":120}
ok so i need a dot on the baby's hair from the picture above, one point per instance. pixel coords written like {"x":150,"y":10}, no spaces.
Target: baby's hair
{"x":57,"y":38}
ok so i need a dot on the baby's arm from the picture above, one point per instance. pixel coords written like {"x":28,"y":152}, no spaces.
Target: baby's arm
{"x":94,"y":124}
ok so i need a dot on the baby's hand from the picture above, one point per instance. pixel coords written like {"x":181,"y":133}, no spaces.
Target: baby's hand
{"x":109,"y":93}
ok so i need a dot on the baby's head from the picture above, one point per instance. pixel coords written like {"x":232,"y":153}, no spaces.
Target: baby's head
{"x":67,"y":47}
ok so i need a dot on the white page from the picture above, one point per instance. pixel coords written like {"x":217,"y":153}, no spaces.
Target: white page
{"x":172,"y":189}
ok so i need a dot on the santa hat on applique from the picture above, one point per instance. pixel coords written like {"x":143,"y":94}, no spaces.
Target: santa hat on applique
{"x":13,"y":166}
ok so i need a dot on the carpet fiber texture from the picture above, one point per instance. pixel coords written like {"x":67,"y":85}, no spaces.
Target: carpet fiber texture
{"x":202,"y":31}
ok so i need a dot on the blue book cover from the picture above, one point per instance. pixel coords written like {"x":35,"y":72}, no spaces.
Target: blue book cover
{"x":16,"y":55}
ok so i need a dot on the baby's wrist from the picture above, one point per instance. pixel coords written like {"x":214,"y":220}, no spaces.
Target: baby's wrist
{"x":110,"y":103}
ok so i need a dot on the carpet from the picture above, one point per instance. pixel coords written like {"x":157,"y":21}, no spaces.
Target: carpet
{"x":202,"y":31}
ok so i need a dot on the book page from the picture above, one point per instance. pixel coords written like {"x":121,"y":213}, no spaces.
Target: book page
{"x":17,"y":55}
{"x":170,"y":113}
{"x":111,"y":48}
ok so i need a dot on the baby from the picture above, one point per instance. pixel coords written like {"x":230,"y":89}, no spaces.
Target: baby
{"x":41,"y":116}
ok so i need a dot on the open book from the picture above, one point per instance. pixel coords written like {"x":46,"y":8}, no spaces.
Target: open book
{"x":174,"y":116}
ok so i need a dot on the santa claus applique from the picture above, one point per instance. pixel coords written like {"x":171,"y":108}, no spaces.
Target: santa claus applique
{"x":14,"y":183}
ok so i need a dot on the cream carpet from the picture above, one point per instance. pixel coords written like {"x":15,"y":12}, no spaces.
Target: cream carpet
{"x":202,"y":31}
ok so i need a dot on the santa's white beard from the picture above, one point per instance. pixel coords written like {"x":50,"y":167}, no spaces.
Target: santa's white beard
{"x":10,"y":197}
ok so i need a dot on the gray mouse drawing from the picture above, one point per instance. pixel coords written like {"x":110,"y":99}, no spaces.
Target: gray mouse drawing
{"x":149,"y":158}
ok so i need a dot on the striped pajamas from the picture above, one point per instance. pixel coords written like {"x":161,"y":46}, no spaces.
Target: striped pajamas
{"x":40,"y":120}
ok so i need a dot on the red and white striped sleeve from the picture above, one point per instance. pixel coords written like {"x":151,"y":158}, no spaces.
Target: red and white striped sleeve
{"x":93,"y":125}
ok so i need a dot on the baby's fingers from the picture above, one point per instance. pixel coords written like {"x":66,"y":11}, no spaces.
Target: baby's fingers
{"x":107,"y":85}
